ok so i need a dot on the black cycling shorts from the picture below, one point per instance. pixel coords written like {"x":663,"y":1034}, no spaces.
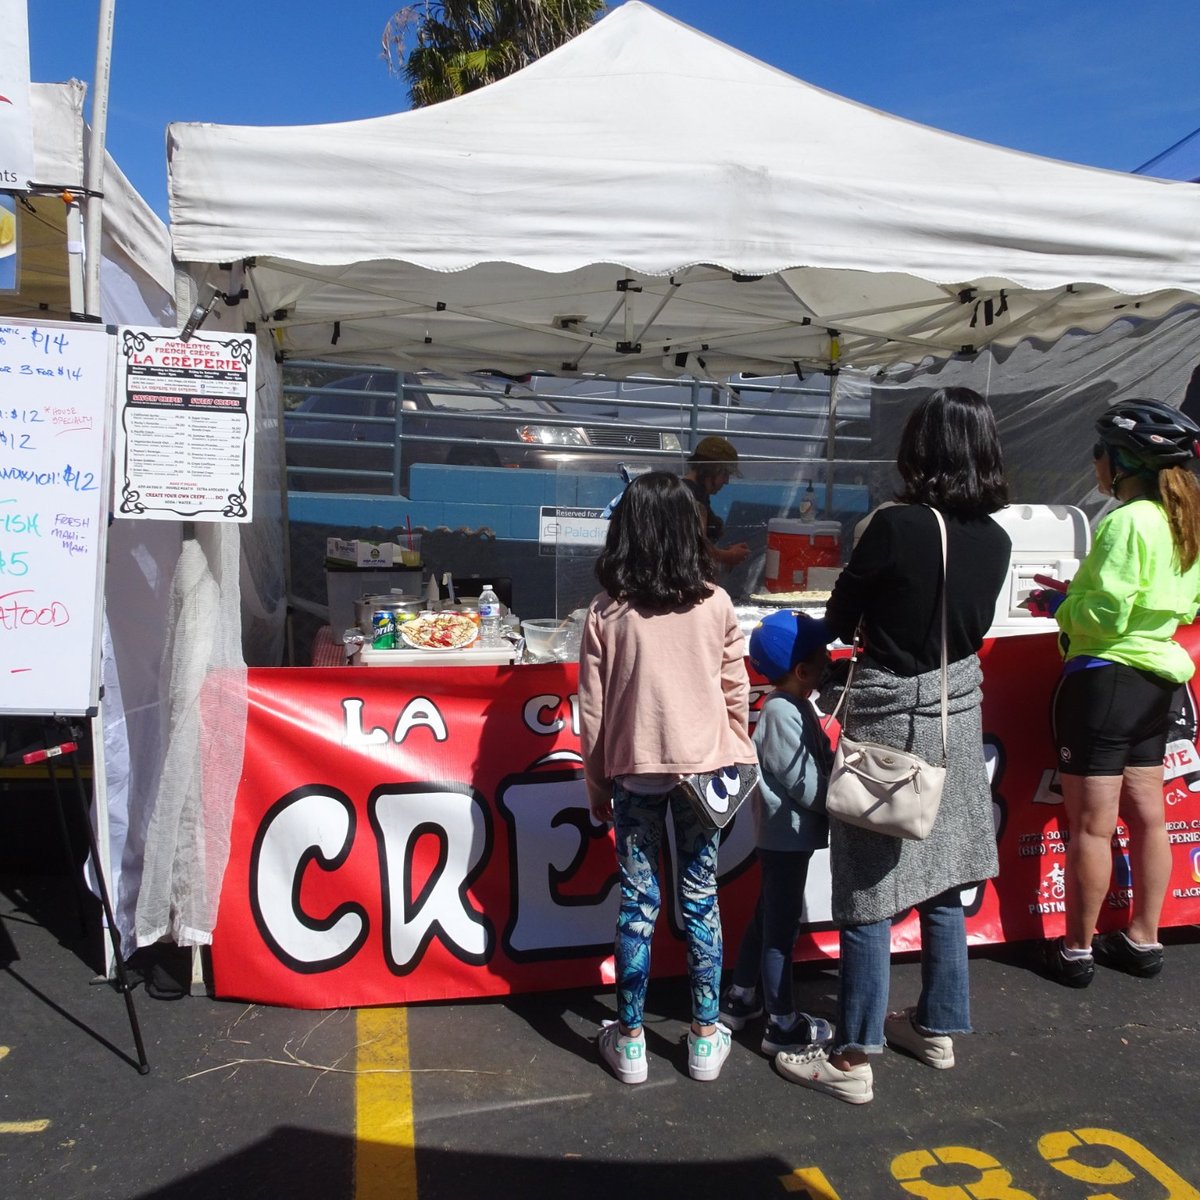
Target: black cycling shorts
{"x":1109,"y":717}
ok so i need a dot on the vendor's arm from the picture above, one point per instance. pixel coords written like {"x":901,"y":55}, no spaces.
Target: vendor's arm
{"x":1100,"y":599}
{"x":591,"y":720}
{"x":860,"y":578}
{"x":731,"y":556}
{"x":786,"y":755}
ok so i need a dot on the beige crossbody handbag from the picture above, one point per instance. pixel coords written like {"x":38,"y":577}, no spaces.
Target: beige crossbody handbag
{"x":890,"y":791}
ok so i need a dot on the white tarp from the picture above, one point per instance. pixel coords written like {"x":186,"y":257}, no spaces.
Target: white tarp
{"x":137,"y":281}
{"x":152,"y":670}
{"x":647,"y":198}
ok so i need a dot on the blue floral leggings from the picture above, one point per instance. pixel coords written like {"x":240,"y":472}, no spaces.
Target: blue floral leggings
{"x":640,"y":822}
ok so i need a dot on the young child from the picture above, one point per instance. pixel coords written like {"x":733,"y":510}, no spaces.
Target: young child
{"x":663,"y":693}
{"x":789,"y":650}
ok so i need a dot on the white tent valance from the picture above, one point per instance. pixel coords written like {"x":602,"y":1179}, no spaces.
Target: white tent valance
{"x":647,"y":198}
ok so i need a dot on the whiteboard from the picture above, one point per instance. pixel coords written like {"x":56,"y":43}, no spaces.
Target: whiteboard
{"x":55,"y":418}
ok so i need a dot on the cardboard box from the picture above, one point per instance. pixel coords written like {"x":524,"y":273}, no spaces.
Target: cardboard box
{"x":352,"y":552}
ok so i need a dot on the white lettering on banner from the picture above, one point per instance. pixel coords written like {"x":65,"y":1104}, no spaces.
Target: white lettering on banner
{"x":352,"y":732}
{"x":535,"y":706}
{"x":310,"y":826}
{"x":418,"y":713}
{"x":550,"y":839}
{"x":402,"y":815}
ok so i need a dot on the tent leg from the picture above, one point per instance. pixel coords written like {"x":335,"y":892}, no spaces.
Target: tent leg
{"x":102,"y":886}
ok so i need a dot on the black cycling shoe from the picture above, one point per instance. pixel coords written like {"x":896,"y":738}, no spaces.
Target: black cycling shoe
{"x":1116,"y":950}
{"x":1070,"y":972}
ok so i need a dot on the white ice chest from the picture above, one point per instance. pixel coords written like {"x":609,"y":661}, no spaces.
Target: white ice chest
{"x":1047,"y":539}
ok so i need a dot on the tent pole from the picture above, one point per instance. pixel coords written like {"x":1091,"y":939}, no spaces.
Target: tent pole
{"x":94,"y":181}
{"x":831,"y":442}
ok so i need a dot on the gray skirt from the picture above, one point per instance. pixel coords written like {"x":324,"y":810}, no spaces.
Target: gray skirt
{"x":876,"y":876}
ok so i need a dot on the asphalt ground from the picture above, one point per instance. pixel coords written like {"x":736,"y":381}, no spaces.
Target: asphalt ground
{"x":1059,"y":1093}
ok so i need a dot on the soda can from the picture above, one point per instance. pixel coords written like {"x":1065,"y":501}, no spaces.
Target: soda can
{"x":383,"y":629}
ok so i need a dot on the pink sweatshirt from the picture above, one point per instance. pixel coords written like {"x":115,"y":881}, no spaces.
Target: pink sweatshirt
{"x":662,"y":693}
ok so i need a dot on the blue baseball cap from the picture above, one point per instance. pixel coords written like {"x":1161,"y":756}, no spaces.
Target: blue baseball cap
{"x":783,"y":639}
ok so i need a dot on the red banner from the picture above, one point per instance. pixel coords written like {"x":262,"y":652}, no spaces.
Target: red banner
{"x":423,"y":833}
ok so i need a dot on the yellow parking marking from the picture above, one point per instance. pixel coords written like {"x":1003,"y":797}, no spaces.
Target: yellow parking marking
{"x":811,"y":1182}
{"x":24,"y":1126}
{"x":38,"y":1126}
{"x":385,"y":1145}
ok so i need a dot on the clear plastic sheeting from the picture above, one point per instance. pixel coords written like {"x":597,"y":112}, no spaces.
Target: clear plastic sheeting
{"x":830,"y":491}
{"x":1046,"y":398}
{"x":263,"y":541}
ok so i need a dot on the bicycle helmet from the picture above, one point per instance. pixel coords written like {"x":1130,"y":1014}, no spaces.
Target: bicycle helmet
{"x":1150,"y":432}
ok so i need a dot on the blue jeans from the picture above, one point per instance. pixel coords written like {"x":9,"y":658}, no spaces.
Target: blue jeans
{"x":945,"y":1003}
{"x":770,"y":938}
{"x":640,"y":822}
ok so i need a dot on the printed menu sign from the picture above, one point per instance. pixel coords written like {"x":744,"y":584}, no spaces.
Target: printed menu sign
{"x":55,"y":408}
{"x":185,"y":427}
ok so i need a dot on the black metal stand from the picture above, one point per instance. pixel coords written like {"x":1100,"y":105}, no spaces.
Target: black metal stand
{"x":49,"y":753}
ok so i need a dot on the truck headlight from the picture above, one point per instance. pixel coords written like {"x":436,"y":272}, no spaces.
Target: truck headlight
{"x":552,"y":435}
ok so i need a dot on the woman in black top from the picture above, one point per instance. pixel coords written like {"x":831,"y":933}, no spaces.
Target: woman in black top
{"x":949,"y":458}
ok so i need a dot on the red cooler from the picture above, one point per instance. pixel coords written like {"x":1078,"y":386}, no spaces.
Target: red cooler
{"x":793,"y":546}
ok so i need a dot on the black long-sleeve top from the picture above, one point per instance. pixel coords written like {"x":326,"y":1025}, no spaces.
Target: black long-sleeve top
{"x":893,"y":580}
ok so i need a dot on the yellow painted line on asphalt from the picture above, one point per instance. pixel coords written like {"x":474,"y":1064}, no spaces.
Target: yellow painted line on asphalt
{"x":24,"y":1126}
{"x":385,"y":1165}
{"x":38,"y":1126}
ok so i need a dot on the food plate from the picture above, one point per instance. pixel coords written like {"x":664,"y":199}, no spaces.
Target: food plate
{"x":439,"y":631}
{"x":789,"y":599}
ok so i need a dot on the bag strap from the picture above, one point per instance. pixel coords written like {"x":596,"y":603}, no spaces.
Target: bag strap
{"x":842,"y":699}
{"x":945,"y":682}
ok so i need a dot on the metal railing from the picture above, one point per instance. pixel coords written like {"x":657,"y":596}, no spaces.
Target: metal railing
{"x":597,"y":418}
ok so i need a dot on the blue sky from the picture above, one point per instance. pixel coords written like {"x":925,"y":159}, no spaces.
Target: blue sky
{"x":1106,"y":83}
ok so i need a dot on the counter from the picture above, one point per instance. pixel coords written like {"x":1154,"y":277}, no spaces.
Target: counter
{"x":475,"y":656}
{"x":423,"y":833}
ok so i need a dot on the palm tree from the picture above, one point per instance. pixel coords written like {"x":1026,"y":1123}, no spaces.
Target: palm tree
{"x":445,"y":48}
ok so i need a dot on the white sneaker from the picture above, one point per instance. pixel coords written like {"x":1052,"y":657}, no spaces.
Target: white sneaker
{"x":812,"y":1069}
{"x":933,"y":1049}
{"x":707,"y":1053}
{"x":625,"y":1056}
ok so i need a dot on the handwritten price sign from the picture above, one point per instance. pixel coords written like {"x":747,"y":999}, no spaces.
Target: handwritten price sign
{"x":56,"y":381}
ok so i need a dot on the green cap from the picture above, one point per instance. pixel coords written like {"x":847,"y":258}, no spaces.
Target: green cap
{"x":715,"y":449}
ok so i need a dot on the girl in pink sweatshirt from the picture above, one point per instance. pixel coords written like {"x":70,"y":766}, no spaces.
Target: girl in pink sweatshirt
{"x":663,"y":693}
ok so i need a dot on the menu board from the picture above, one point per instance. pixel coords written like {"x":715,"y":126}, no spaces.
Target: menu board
{"x":185,"y":426}
{"x":55,"y":413}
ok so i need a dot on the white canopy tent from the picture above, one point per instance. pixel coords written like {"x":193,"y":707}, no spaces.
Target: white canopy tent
{"x":645,"y":199}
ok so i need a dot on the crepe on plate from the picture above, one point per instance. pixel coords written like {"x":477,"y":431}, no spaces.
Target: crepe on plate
{"x":440,"y":631}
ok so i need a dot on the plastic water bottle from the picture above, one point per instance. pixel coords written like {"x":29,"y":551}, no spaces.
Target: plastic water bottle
{"x":489,"y":616}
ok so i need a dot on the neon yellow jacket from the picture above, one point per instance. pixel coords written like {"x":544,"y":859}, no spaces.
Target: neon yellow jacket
{"x":1129,"y":595}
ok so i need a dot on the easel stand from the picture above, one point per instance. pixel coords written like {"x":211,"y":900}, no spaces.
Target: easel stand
{"x":49,"y":752}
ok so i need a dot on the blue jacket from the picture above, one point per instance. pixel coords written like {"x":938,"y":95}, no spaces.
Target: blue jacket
{"x":794,"y":757}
